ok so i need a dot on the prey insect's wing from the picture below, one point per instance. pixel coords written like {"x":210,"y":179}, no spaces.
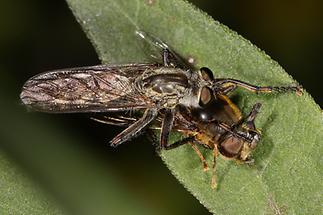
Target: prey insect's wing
{"x":87,"y":89}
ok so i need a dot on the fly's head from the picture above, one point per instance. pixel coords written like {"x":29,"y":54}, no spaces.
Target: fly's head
{"x":205,"y":94}
{"x":238,"y":145}
{"x":200,"y":99}
{"x":239,"y":142}
{"x":212,"y":103}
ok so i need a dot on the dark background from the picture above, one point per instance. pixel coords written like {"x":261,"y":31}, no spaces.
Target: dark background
{"x":38,"y":35}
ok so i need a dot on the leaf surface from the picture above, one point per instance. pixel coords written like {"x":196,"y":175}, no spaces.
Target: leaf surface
{"x":287,"y":174}
{"x":19,"y":195}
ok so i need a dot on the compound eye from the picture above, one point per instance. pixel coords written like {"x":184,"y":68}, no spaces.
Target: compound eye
{"x":206,"y":74}
{"x":231,"y":146}
{"x":206,"y":95}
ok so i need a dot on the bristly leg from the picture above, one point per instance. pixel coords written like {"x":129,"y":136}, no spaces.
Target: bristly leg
{"x":214,"y":178}
{"x":222,"y":86}
{"x":200,"y":155}
{"x":133,"y":130}
{"x":191,"y":140}
{"x":166,"y":127}
{"x":166,"y":54}
{"x":250,"y":119}
{"x":178,"y":143}
{"x":119,"y":120}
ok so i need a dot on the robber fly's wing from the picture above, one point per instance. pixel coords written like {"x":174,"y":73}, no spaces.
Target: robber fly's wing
{"x":86,"y":89}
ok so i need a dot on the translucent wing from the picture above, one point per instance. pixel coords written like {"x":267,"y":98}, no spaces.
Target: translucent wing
{"x":156,"y":47}
{"x":87,"y":89}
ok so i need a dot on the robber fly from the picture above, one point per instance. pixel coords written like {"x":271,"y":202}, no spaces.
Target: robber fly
{"x":150,"y":88}
{"x":171,"y":91}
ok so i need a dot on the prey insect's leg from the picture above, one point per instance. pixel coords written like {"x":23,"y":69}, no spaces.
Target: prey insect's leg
{"x":181,"y":142}
{"x":215,"y":156}
{"x":198,"y":152}
{"x":225,"y":83}
{"x":193,"y":142}
{"x":135,"y":128}
{"x":167,"y":125}
{"x":249,"y":121}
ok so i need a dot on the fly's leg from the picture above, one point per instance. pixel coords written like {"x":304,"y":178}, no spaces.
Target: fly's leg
{"x":214,"y":178}
{"x":118,"y":120}
{"x":227,"y":89}
{"x":250,"y":119}
{"x":178,"y":143}
{"x":222,"y":86}
{"x":198,"y":152}
{"x":248,"y":122}
{"x":166,"y":127}
{"x":253,"y":133}
{"x":171,"y":59}
{"x":134,"y":129}
{"x":193,"y":142}
{"x":166,"y":60}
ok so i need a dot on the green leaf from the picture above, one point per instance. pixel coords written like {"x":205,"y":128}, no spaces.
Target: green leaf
{"x":71,"y":179}
{"x":287,"y":175}
{"x":19,"y":195}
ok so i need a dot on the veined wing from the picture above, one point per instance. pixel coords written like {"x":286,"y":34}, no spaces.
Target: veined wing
{"x":86,"y":89}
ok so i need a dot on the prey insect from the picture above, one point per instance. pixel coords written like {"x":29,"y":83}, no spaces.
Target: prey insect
{"x":192,"y":102}
{"x":220,"y":127}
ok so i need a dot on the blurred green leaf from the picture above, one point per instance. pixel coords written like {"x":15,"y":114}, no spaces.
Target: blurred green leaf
{"x":80,"y":182}
{"x":287,"y":174}
{"x":19,"y":195}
